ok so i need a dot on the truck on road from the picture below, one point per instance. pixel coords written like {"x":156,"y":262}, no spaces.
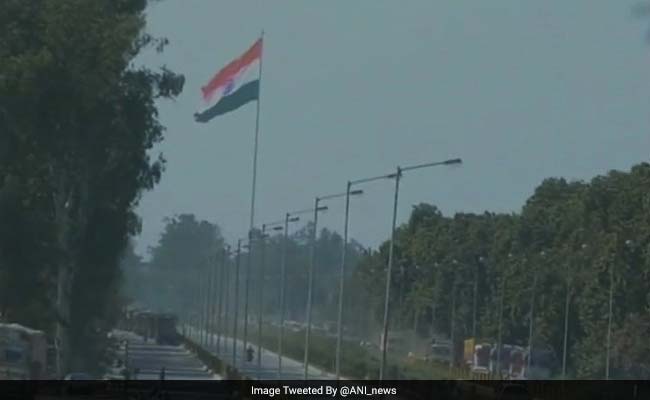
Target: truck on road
{"x":160,"y":327}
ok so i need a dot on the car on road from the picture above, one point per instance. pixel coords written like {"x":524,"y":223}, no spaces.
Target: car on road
{"x":369,"y":345}
{"x":440,"y":353}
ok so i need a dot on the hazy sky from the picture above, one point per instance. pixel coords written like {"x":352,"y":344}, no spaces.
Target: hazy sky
{"x":520,"y":90}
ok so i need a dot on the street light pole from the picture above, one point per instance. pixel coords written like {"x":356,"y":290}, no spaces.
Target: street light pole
{"x":433,"y":300}
{"x":260,"y":311}
{"x":283,"y":273}
{"x":204,"y":305}
{"x":247,"y":285}
{"x":260,"y":304}
{"x":211,"y":293}
{"x":339,"y":326}
{"x":310,"y":284}
{"x":500,"y":334}
{"x":475,"y":296}
{"x":196,"y":312}
{"x":452,"y":322}
{"x":220,"y":298}
{"x":566,"y":316}
{"x":226,"y":299}
{"x":398,"y":175}
{"x":609,"y":317}
{"x":283,"y":282}
{"x":193,"y":319}
{"x":566,"y":322}
{"x":500,"y":323}
{"x":389,"y":275}
{"x":202,"y":298}
{"x":236,"y":308}
{"x":204,"y":302}
{"x":312,"y":261}
{"x":532,"y":316}
{"x":628,"y":245}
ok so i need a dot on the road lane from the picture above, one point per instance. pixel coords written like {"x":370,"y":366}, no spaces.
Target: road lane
{"x":291,"y":369}
{"x":150,"y":358}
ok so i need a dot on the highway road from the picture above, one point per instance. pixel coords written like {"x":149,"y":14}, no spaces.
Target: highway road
{"x":150,"y":358}
{"x":291,"y":369}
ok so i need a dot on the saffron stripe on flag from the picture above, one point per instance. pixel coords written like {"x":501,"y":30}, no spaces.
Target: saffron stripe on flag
{"x":232,"y":69}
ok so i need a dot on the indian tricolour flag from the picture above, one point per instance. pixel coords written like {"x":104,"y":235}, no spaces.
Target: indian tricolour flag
{"x":235,"y":85}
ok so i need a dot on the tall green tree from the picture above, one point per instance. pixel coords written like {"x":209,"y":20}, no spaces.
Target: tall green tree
{"x":79,"y":120}
{"x":186,"y":252}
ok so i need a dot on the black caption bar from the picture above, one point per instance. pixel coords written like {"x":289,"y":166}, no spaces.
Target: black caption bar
{"x":215,"y":390}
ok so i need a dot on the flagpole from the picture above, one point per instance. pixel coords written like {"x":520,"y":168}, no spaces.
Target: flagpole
{"x":257,"y":134}
{"x":252,"y":220}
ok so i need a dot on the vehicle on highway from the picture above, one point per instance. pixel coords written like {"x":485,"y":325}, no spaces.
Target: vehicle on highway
{"x":161,"y":327}
{"x":294,"y":326}
{"x":166,"y":332}
{"x":543,"y":362}
{"x":368,"y":345}
{"x":511,"y":362}
{"x":441,"y":352}
{"x":477,"y":355}
{"x":23,"y":353}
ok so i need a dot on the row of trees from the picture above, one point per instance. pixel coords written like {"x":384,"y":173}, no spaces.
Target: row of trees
{"x":189,"y":251}
{"x":572,"y":241}
{"x":77,"y":121}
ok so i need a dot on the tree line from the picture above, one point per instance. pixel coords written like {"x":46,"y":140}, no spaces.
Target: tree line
{"x":77,"y":122}
{"x":572,"y":243}
{"x":189,"y":254}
